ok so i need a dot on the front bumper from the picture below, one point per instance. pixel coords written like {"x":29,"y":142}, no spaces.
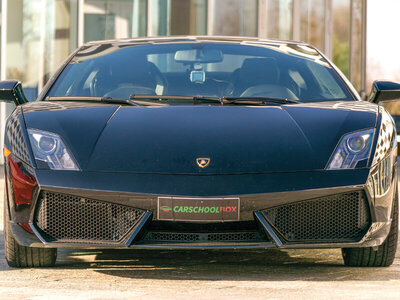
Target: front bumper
{"x":256,"y":191}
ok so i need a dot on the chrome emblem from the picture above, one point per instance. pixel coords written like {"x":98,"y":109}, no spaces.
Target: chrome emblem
{"x":203,"y":162}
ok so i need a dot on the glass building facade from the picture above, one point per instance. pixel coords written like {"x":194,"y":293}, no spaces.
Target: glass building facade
{"x":38,"y":35}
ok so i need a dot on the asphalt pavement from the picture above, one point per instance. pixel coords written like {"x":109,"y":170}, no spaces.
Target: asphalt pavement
{"x":233,"y":274}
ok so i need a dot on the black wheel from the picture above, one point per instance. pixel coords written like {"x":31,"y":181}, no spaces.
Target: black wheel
{"x":25,"y":257}
{"x":384,"y":255}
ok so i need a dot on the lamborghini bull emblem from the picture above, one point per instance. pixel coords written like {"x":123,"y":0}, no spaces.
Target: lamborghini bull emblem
{"x":203,"y":162}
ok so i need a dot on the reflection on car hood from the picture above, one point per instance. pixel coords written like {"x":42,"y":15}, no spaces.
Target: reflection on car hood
{"x":236,"y":139}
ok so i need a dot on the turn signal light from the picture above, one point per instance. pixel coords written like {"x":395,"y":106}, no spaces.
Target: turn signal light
{"x":26,"y":226}
{"x":23,"y":182}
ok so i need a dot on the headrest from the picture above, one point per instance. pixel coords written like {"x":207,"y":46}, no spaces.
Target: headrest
{"x":261,"y":70}
{"x":134,"y":69}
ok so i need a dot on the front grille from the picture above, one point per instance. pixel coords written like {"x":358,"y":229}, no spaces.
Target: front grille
{"x":190,"y":237}
{"x":61,"y":217}
{"x":341,"y":217}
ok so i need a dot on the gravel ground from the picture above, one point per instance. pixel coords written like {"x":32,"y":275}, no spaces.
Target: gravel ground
{"x":155,"y":274}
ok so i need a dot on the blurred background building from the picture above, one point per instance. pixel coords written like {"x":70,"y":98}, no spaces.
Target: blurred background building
{"x":38,"y":35}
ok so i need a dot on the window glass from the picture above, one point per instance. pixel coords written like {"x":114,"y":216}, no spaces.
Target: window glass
{"x":112,"y":19}
{"x":326,"y":81}
{"x":40,"y":36}
{"x":179,"y":17}
{"x":356,"y":44}
{"x":1,"y":9}
{"x":276,"y":19}
{"x":341,"y":35}
{"x":201,"y":68}
{"x":234,"y":17}
{"x":166,"y":63}
{"x":297,"y":78}
{"x":312,"y":29}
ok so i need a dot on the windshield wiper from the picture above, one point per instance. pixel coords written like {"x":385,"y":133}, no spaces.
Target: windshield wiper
{"x":119,"y":101}
{"x":93,"y":99}
{"x":254,"y":100}
{"x":195,"y":99}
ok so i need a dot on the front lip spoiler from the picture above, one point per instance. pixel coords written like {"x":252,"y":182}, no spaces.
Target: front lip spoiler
{"x":374,"y":237}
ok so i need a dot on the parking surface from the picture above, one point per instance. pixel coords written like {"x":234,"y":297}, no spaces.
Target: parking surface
{"x":244,"y":274}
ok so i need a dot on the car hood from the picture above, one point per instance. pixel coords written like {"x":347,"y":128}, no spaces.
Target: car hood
{"x":169,"y":139}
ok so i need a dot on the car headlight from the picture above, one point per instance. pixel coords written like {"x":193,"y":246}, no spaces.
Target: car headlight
{"x":352,"y":148}
{"x":50,"y":149}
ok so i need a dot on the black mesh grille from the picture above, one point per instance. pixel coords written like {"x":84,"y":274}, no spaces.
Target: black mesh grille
{"x":63,"y":217}
{"x":182,"y":237}
{"x":171,"y":237}
{"x":333,"y":218}
{"x":235,"y":236}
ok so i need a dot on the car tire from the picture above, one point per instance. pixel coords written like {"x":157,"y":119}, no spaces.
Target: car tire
{"x":384,"y":255}
{"x":18,"y":256}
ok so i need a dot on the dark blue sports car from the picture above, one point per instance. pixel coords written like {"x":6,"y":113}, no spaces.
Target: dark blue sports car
{"x":200,"y":142}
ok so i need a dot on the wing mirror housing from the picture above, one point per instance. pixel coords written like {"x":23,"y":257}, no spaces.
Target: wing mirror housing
{"x":11,"y":91}
{"x":383,"y":91}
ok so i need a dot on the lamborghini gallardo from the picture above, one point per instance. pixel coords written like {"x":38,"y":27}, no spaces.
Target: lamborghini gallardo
{"x":200,"y":143}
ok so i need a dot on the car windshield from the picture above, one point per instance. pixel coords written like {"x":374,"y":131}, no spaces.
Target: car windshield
{"x":205,"y":69}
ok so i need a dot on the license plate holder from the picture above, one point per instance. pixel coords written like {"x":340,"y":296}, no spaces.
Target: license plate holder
{"x":198,"y":209}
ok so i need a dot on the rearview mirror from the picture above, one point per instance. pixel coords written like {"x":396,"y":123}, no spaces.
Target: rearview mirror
{"x":11,"y":91}
{"x":384,"y":91}
{"x":198,"y":56}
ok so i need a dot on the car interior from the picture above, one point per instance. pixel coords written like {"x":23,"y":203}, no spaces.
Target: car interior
{"x":214,"y":74}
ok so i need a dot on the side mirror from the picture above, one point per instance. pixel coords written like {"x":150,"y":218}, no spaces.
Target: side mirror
{"x":11,"y":91}
{"x":384,"y":91}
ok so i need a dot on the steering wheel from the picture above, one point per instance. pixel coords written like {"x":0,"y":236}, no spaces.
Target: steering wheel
{"x":126,"y":90}
{"x":269,"y":90}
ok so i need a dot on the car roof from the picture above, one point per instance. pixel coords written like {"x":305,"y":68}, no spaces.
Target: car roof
{"x":190,"y":38}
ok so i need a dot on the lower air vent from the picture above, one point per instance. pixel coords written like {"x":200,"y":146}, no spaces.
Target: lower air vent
{"x":189,"y":237}
{"x":341,"y":217}
{"x":67,"y":218}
